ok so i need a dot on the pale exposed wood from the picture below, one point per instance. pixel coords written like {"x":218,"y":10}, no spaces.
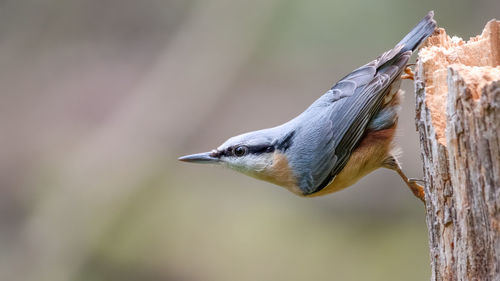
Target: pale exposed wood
{"x":458,"y":119}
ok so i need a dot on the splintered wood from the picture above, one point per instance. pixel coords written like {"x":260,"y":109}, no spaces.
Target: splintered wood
{"x":458,"y":119}
{"x":477,"y":62}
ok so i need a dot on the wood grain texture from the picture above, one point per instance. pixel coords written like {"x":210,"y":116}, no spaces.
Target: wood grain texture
{"x":460,"y":142}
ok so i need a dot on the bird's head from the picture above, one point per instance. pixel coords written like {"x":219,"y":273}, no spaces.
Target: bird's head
{"x":260,"y":154}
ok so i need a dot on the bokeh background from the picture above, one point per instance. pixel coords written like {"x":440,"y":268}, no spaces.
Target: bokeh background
{"x":99,"y":97}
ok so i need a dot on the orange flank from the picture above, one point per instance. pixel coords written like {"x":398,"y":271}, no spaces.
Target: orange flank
{"x":280,"y":173}
{"x":374,"y":148}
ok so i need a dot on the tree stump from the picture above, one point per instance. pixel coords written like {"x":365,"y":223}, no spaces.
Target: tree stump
{"x":457,"y":88}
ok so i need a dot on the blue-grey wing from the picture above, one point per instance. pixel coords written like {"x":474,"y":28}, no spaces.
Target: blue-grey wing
{"x":352,"y":103}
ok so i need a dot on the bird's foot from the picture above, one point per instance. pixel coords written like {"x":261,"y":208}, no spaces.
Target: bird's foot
{"x":409,"y":74}
{"x":392,"y":163}
{"x":417,"y":180}
{"x":416,"y":188}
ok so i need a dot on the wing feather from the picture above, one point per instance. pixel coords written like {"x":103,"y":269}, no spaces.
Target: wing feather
{"x":352,"y":103}
{"x":356,"y":104}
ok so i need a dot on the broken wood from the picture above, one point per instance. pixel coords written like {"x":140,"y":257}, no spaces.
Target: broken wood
{"x":457,"y":88}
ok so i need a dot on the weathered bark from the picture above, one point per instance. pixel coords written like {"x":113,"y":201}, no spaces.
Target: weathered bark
{"x":458,"y":119}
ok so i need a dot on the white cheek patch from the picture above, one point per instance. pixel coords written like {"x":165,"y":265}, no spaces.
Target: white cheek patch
{"x":250,"y":164}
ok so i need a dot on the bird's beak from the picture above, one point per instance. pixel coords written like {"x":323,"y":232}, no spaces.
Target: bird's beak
{"x":203,"y":158}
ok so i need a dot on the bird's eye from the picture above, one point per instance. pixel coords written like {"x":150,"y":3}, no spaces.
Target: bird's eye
{"x":240,"y":151}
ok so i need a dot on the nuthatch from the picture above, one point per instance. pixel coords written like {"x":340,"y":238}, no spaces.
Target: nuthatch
{"x":344,"y":135}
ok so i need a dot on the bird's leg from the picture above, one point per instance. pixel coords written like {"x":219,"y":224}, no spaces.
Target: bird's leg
{"x":409,"y":74}
{"x":392,"y":163}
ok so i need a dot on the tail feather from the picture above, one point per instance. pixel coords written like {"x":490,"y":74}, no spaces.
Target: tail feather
{"x":419,"y":33}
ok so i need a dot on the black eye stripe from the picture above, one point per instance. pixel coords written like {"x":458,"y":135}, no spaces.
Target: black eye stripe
{"x":258,"y":149}
{"x":254,"y":149}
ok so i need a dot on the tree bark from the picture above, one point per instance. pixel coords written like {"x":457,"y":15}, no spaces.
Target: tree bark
{"x":457,"y":87}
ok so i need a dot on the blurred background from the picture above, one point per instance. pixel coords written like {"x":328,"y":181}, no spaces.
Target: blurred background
{"x":98,"y":98}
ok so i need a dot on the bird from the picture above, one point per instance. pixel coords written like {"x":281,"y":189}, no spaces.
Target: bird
{"x":341,"y":137}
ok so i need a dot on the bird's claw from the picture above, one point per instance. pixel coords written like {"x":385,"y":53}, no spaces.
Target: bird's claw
{"x":409,"y":74}
{"x":416,"y":180}
{"x":417,"y":189}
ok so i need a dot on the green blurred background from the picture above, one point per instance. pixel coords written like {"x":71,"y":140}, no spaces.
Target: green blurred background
{"x":99,"y":97}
